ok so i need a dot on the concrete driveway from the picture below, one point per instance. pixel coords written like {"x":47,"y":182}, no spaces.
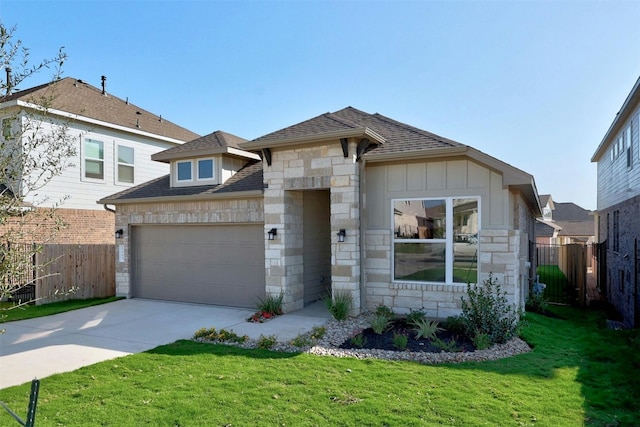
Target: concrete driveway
{"x":37,"y":348}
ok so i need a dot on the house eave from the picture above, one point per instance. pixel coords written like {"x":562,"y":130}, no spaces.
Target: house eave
{"x":231,"y":151}
{"x":252,"y":194}
{"x":314,"y":138}
{"x":621,"y":118}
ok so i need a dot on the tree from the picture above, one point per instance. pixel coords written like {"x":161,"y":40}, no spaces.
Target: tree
{"x":35,"y":146}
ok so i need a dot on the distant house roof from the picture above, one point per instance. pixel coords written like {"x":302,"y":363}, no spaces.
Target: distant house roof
{"x":79,"y":98}
{"x":544,"y":199}
{"x":217,"y":142}
{"x":628,"y":107}
{"x":570,"y":220}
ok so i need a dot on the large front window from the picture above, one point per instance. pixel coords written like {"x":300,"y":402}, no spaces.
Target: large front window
{"x":436,"y":240}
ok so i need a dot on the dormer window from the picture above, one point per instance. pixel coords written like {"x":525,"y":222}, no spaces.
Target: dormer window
{"x":206,"y":170}
{"x":196,"y":172}
{"x":184,"y":171}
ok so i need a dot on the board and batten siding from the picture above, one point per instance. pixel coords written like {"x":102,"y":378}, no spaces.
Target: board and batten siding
{"x":82,"y":193}
{"x":618,"y":181}
{"x":449,"y":178}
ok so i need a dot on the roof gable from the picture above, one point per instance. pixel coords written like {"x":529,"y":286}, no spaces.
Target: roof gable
{"x":78,"y":98}
{"x":217,"y":142}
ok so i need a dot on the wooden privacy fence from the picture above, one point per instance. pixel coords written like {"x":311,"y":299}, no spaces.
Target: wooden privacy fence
{"x":89,"y":269}
{"x":563,"y":269}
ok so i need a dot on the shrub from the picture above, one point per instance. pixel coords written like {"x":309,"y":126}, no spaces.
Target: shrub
{"x":222,"y":335}
{"x":481,"y":341}
{"x":426,"y":329}
{"x":400,"y":341}
{"x":318,"y":332}
{"x":486,"y":310}
{"x":536,"y":302}
{"x":380,"y":323}
{"x":455,"y":325}
{"x":383,"y":310}
{"x":271,"y":304}
{"x":358,"y":340}
{"x":448,"y":346}
{"x":415,"y":316}
{"x":266,"y":342}
{"x":340,"y":305}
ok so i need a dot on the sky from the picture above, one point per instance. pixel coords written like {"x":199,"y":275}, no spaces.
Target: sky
{"x":535,"y":84}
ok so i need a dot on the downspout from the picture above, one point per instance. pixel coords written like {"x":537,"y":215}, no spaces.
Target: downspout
{"x":363,"y":227}
{"x":107,"y":208}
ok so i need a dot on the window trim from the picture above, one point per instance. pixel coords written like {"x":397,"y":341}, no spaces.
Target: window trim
{"x":85,"y":158}
{"x":448,"y":240}
{"x":213,"y":169}
{"x":178,"y":163}
{"x":119,"y":163}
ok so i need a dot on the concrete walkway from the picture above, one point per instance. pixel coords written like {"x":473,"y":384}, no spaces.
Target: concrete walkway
{"x":37,"y":348}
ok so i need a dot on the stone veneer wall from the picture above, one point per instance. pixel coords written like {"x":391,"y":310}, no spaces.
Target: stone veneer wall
{"x":318,"y":167}
{"x":248,"y":210}
{"x":499,"y":252}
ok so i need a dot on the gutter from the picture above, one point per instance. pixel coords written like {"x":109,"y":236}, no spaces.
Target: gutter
{"x":251,"y":194}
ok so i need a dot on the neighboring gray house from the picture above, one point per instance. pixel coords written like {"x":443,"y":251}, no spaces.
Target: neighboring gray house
{"x":114,"y":143}
{"x":343,"y":202}
{"x":564,"y":223}
{"x":618,"y":159}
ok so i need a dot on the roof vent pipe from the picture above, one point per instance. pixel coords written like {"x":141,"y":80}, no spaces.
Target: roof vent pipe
{"x":8,"y":80}
{"x":104,"y":84}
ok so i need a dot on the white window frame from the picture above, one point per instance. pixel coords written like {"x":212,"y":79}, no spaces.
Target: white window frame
{"x":448,"y":240}
{"x":213,"y":169}
{"x":11,"y":128}
{"x":119,"y":163}
{"x":178,"y":163}
{"x":85,"y":158}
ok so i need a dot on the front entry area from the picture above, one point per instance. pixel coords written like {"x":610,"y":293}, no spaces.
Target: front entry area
{"x":317,"y":244}
{"x":209,"y":264}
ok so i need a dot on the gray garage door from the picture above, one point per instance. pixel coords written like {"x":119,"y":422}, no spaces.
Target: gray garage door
{"x":211,"y":264}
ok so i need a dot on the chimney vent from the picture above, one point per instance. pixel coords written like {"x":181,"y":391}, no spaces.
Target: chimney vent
{"x":8,"y":80}
{"x":104,"y":84}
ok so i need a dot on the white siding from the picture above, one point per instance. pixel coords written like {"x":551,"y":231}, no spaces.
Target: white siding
{"x":82,"y":193}
{"x":618,"y":182}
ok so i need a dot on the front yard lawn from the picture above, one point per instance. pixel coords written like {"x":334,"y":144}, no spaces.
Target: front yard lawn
{"x":577,"y":374}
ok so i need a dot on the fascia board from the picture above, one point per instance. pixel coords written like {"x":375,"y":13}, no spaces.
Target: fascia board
{"x":168,"y":157}
{"x":315,"y":138}
{"x":98,"y":122}
{"x":252,"y":194}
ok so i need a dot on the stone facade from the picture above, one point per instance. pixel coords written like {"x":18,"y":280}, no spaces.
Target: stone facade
{"x":317,"y":167}
{"x":230,"y":211}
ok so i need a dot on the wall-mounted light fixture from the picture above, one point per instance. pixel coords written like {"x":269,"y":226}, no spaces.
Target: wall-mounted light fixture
{"x":119,"y":233}
{"x":341,"y":235}
{"x":272,"y":233}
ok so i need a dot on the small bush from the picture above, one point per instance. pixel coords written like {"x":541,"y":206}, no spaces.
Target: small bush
{"x":415,"y":316}
{"x":455,"y":325}
{"x":448,"y":346}
{"x":318,"y":332}
{"x":486,"y":310}
{"x":383,"y":310}
{"x":267,"y":342}
{"x":481,"y":341}
{"x":536,"y":302}
{"x":301,"y":341}
{"x":222,"y":335}
{"x":400,"y":341}
{"x":426,"y":329}
{"x":271,"y":304}
{"x":380,"y":324}
{"x":358,"y":340}
{"x":340,"y":305}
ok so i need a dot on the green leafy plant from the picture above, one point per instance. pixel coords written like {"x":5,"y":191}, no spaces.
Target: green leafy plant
{"x":448,"y":346}
{"x":486,"y":310}
{"x":318,"y":332}
{"x":427,"y":329}
{"x":380,"y":323}
{"x":309,"y":339}
{"x":358,"y":340}
{"x":400,"y":341}
{"x":340,"y":305}
{"x":415,"y":316}
{"x":271,"y":304}
{"x":383,"y":310}
{"x":267,"y":342}
{"x":455,"y":325}
{"x":536,"y":302}
{"x":481,"y":341}
{"x":210,"y":334}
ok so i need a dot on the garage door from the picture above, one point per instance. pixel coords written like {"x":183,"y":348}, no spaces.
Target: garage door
{"x":211,"y":264}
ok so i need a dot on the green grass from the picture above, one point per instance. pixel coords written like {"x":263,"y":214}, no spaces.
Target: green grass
{"x":10,"y":313}
{"x":577,"y":374}
{"x":558,"y":288}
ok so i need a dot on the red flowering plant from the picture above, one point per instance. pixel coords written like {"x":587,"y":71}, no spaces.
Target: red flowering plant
{"x":268,"y":308}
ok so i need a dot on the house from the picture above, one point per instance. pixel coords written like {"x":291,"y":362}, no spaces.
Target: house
{"x":345,"y":202}
{"x":114,"y":140}
{"x":618,"y":215}
{"x":564,"y":223}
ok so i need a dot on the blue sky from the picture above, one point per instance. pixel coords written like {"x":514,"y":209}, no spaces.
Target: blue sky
{"x":534,"y":83}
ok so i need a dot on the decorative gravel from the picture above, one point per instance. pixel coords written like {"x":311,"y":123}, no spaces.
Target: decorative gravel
{"x":338,"y":332}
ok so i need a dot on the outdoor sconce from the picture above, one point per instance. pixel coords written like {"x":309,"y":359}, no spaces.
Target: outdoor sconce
{"x":341,"y":234}
{"x":119,"y":233}
{"x":272,"y":233}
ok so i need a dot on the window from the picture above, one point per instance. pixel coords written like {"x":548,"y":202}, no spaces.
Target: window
{"x":93,"y":159}
{"x":184,"y":171}
{"x":125,"y":164}
{"x":205,"y":169}
{"x":7,"y":129}
{"x":436,"y":240}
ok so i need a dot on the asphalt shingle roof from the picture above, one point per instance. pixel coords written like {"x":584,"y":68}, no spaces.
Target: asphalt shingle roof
{"x":77,"y":97}
{"x":213,"y":140}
